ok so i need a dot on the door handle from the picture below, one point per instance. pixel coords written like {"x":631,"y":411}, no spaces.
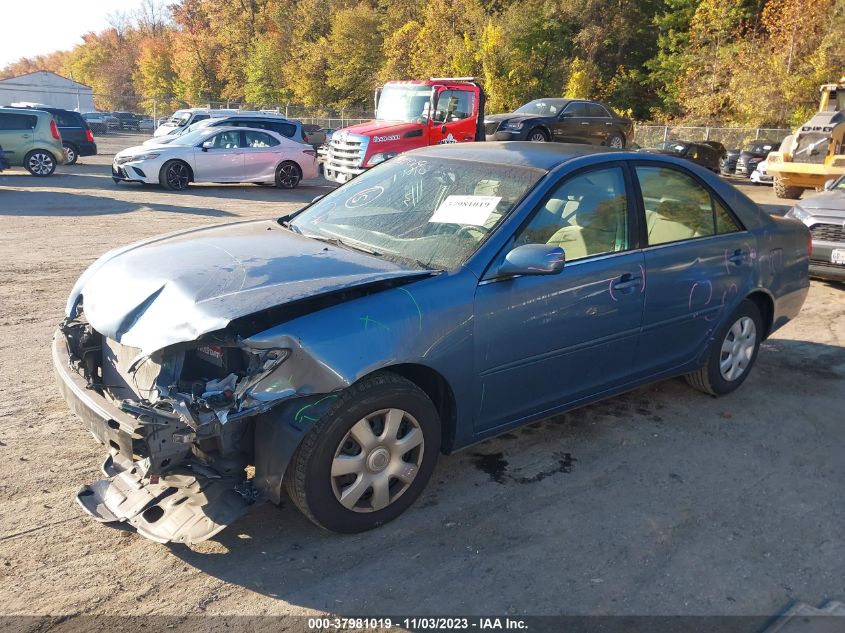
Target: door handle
{"x":585,"y":122}
{"x":26,"y":136}
{"x":608,"y":123}
{"x":737,"y":258}
{"x":628,"y":282}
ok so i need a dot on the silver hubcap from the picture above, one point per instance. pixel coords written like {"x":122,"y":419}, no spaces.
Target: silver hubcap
{"x":69,"y":154}
{"x":288,"y":176}
{"x":538,"y":137}
{"x":177,"y":176}
{"x":616,"y":142}
{"x":738,"y":349}
{"x":377,"y":461}
{"x":41,"y":164}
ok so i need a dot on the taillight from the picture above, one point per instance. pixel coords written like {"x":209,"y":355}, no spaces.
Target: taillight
{"x":304,"y":137}
{"x":310,"y":152}
{"x":88,"y":135}
{"x":54,"y":130}
{"x":810,"y":245}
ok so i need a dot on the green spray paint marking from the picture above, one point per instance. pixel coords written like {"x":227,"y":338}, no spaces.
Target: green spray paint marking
{"x":299,"y":416}
{"x":419,"y":312}
{"x":367,"y":320}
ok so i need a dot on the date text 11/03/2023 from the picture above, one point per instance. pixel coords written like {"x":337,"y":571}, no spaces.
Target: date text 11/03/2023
{"x":417,"y":624}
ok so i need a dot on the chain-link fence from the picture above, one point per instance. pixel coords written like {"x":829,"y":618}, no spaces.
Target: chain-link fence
{"x":730,"y":137}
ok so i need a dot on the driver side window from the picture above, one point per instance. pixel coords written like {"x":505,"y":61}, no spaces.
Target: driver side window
{"x":454,"y":105}
{"x":224,"y":140}
{"x":586,"y":215}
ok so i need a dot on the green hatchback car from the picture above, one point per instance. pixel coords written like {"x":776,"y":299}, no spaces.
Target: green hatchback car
{"x":31,"y":139}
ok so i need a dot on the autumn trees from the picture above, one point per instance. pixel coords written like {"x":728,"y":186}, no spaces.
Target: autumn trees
{"x":745,"y":62}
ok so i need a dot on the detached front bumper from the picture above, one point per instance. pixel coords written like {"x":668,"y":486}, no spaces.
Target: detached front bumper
{"x":185,"y":505}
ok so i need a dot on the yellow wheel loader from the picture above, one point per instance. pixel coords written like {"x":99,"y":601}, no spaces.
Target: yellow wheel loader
{"x":815,"y":153}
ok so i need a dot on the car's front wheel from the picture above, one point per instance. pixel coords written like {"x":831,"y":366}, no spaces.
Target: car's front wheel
{"x":288,"y":175}
{"x":174,"y":175}
{"x":538,"y":136}
{"x":40,"y":162}
{"x":368,"y":458}
{"x":732,"y":353}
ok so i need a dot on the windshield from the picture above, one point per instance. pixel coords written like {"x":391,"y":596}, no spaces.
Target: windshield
{"x":404,"y":102}
{"x":760,"y":148}
{"x":191,"y":138}
{"x":193,"y":127}
{"x":673,"y":147}
{"x":432,"y":211}
{"x":179,"y":118}
{"x":542,"y":107}
{"x":839,"y":185}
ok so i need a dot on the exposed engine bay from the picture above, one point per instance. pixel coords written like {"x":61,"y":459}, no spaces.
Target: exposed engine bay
{"x":180,"y":457}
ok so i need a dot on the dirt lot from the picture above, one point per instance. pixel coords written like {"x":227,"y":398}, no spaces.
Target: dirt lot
{"x":662,"y":501}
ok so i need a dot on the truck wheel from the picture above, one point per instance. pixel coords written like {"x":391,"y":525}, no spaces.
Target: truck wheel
{"x":538,"y":136}
{"x":782,"y":190}
{"x":368,"y":458}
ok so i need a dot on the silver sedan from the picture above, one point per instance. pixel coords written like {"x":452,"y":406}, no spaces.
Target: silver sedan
{"x":218,"y":154}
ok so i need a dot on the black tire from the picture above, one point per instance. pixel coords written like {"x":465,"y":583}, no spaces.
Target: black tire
{"x":538,"y":135}
{"x":40,"y":162}
{"x":615,"y":140}
{"x":782,"y":190}
{"x":288,"y":175}
{"x":71,"y":154}
{"x":175,"y":175}
{"x":710,"y":378}
{"x":309,"y":480}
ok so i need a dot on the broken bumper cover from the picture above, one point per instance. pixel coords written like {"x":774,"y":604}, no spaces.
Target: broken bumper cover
{"x":186,"y":505}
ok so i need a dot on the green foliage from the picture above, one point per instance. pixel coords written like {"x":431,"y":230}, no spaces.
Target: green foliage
{"x":728,"y":62}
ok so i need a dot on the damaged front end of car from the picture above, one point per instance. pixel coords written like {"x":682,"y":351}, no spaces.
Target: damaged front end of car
{"x":180,"y":427}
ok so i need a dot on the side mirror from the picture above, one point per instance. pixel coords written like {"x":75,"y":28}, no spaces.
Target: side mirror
{"x":533,"y":259}
{"x":828,"y":185}
{"x":565,"y":115}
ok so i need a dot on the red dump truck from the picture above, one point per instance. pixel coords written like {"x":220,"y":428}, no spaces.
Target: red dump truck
{"x":409,"y":114}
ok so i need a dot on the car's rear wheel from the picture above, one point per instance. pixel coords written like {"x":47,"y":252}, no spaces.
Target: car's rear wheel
{"x":538,"y":136}
{"x":175,"y":175}
{"x":782,"y":190}
{"x":288,"y":175}
{"x":368,"y":458}
{"x":70,"y":154}
{"x":40,"y":163}
{"x":732,"y":353}
{"x":616,"y":141}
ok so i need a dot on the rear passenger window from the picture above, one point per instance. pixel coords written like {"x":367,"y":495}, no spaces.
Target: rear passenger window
{"x":285,"y":129}
{"x":678,"y":208}
{"x":10,"y":121}
{"x":259,"y":139}
{"x":596,"y":111}
{"x":586,"y":215}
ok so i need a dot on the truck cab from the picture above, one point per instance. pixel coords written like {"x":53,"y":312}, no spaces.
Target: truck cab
{"x":409,"y":114}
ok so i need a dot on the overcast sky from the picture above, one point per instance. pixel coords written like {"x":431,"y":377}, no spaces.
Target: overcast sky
{"x":34,"y":28}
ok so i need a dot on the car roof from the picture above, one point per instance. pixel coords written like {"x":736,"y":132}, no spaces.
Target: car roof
{"x":23,"y":110}
{"x":521,"y":153}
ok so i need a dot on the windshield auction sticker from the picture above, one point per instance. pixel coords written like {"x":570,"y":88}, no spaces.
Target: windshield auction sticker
{"x":466,"y":209}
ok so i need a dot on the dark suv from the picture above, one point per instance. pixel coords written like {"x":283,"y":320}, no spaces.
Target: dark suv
{"x":563,"y":120}
{"x":77,"y":139}
{"x":127,"y":121}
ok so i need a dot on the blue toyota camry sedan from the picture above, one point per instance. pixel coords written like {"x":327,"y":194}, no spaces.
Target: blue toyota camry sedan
{"x":442,"y":297}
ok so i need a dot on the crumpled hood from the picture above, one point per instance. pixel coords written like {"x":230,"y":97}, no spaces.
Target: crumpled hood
{"x":174,"y":288}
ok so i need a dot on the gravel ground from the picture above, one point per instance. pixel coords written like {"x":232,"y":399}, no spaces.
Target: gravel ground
{"x":661,"y":501}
